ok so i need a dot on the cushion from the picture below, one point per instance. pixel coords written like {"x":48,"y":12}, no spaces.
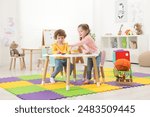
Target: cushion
{"x":144,"y":59}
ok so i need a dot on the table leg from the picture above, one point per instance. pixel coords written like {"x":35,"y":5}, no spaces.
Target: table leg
{"x":74,"y":69}
{"x":68,"y":74}
{"x":45,"y":70}
{"x":30,"y":60}
{"x":96,"y":71}
{"x":23,"y":51}
{"x":11,"y":63}
{"x":24,"y":64}
{"x":14,"y":63}
{"x":102,"y":72}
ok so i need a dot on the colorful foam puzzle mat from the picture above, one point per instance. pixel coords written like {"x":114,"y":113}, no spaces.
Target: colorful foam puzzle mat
{"x":29,"y":87}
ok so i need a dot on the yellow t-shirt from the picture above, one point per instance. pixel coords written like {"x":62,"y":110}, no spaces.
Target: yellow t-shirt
{"x":62,"y":48}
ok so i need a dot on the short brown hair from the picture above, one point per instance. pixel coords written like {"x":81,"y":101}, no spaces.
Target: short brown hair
{"x":59,"y":32}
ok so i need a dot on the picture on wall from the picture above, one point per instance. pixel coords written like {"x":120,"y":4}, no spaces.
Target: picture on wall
{"x":121,"y":11}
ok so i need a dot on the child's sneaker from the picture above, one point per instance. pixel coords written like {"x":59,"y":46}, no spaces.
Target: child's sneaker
{"x":52,"y":80}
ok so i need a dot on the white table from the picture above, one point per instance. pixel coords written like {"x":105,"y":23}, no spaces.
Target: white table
{"x":31,"y":52}
{"x":69,"y":56}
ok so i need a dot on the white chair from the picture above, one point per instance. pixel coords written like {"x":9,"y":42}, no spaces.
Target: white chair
{"x":41,"y":60}
{"x":14,"y":54}
{"x":13,"y":62}
{"x":103,"y":57}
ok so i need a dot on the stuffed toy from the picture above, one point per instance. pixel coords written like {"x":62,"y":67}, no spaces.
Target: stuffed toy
{"x":138,"y":28}
{"x":128,"y":32}
{"x":122,"y":65}
{"x":13,"y":50}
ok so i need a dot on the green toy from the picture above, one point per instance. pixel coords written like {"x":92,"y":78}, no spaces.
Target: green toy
{"x":124,"y":42}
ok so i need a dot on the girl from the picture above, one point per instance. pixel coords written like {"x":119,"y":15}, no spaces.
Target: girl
{"x":87,"y":46}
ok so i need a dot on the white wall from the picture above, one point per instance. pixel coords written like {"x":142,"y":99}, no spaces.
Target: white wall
{"x":32,"y":16}
{"x":8,"y":27}
{"x":104,"y":17}
{"x":36,"y":15}
{"x":147,"y":19}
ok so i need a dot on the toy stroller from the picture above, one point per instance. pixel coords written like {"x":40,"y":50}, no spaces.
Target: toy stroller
{"x":122,"y":67}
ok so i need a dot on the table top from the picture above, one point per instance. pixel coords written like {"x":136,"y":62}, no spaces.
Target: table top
{"x":71,"y":55}
{"x":31,"y":48}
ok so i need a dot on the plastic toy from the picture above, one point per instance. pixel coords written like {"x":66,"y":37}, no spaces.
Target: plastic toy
{"x":122,"y":67}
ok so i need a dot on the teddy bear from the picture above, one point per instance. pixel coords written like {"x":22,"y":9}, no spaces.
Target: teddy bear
{"x":13,"y":50}
{"x":138,"y":28}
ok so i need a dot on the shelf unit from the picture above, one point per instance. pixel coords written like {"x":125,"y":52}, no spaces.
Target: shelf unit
{"x":135,"y":44}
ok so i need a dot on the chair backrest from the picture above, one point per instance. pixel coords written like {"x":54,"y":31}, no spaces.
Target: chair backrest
{"x":103,"y":57}
{"x":44,"y":51}
{"x":48,"y":50}
{"x":52,"y":59}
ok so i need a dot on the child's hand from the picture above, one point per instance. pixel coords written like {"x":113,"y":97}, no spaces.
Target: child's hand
{"x":86,"y":52}
{"x":58,"y":52}
{"x":71,"y":46}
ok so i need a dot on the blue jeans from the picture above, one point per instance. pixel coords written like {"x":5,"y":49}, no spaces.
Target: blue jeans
{"x":59,"y":63}
{"x":90,"y":66}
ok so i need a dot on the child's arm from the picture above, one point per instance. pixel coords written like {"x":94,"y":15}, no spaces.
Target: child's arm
{"x":84,"y":41}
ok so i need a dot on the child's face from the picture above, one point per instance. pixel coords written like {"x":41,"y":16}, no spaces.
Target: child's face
{"x":82,"y":33}
{"x":60,"y":39}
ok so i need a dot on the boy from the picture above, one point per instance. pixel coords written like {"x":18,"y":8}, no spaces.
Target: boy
{"x":60,"y":47}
